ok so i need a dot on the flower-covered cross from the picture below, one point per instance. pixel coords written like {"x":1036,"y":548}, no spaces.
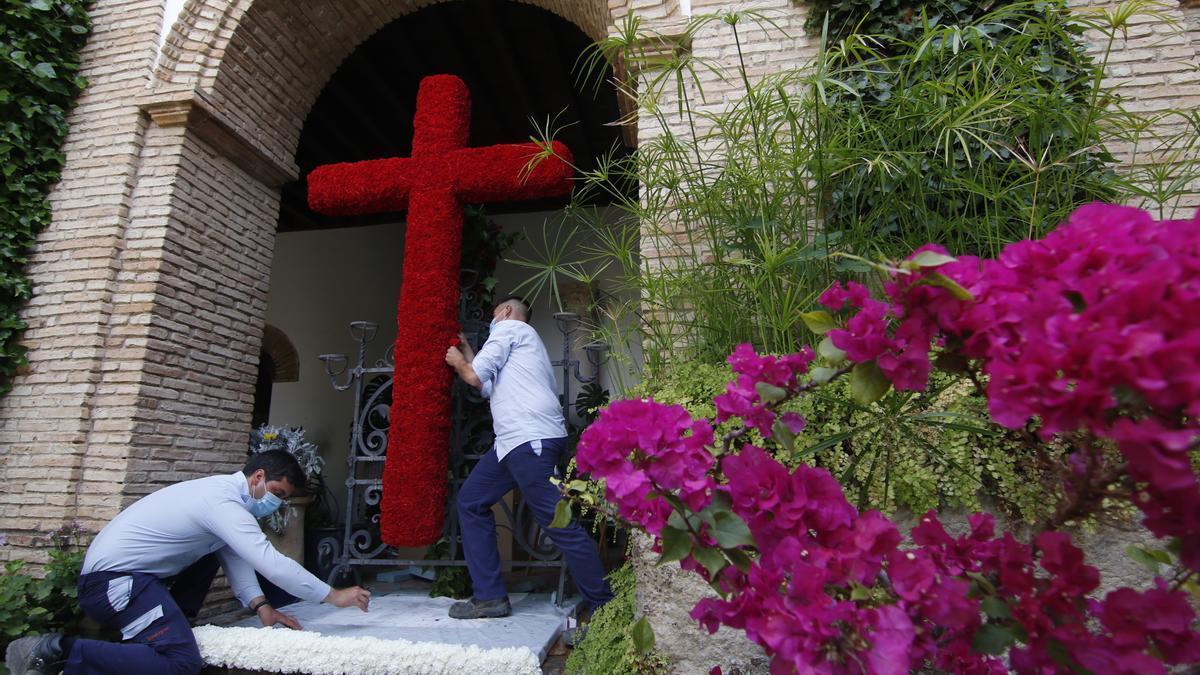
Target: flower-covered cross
{"x":442,"y":174}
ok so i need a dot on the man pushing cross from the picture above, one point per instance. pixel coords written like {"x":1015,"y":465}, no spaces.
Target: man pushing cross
{"x":513,"y":371}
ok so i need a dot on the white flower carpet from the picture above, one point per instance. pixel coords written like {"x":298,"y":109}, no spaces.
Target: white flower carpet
{"x":403,"y":634}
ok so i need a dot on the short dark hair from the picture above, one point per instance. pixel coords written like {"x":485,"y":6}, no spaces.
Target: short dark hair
{"x":524,"y":305}
{"x":276,"y":464}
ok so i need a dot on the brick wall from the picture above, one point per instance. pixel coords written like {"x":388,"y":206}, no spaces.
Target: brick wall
{"x":1153,"y":66}
{"x":47,"y":475}
{"x":210,"y":250}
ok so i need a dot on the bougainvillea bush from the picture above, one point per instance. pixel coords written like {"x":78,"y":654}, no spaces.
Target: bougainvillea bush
{"x":1089,"y":336}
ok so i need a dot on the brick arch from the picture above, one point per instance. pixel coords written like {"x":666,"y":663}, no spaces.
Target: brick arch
{"x":283,"y":354}
{"x":236,"y":55}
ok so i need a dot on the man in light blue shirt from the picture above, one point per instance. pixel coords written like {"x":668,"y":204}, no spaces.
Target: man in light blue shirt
{"x":513,"y":371}
{"x":149,"y":569}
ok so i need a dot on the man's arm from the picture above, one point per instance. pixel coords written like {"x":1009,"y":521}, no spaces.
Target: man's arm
{"x":479,"y":370}
{"x":461,"y":365}
{"x":241,"y":576}
{"x":245,"y":587}
{"x":247,"y":550}
{"x":465,"y":345}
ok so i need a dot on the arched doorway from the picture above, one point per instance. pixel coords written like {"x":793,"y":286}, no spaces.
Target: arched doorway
{"x":179,"y":150}
{"x":231,"y":89}
{"x":518,"y":61}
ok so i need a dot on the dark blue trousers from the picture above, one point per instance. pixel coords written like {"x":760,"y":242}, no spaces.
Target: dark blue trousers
{"x":529,"y":470}
{"x":152,"y":615}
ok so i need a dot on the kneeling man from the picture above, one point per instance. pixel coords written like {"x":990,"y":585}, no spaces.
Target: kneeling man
{"x":147,"y":572}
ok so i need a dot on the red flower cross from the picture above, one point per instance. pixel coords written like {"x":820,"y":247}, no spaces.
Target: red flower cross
{"x":442,"y":174}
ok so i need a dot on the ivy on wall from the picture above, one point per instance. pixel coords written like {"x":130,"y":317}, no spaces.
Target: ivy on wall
{"x":996,"y":87}
{"x":900,"y":19}
{"x":40,"y":42}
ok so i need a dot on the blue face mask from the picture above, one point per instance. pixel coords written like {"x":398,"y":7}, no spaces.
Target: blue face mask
{"x":264,"y":506}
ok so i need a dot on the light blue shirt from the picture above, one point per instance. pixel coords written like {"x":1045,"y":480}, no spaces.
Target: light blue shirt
{"x":168,"y":530}
{"x":515,"y":371}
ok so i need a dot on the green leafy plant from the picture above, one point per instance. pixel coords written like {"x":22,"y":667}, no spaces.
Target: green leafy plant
{"x":449,"y":581}
{"x":972,"y":126}
{"x":997,"y":121}
{"x":1163,"y":562}
{"x":483,"y":245}
{"x":39,"y":80}
{"x":615,"y":641}
{"x":936,"y":449}
{"x":36,"y":605}
{"x":898,"y":19}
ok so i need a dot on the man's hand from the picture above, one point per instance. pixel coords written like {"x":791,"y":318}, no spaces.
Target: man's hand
{"x":455,"y":358}
{"x":465,"y":345}
{"x":462,"y":365}
{"x":352,"y":595}
{"x":269,"y":616}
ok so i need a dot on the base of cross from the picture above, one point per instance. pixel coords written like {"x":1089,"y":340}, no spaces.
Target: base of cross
{"x":405,"y":632}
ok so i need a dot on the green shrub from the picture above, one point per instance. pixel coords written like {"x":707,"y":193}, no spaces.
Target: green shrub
{"x":916,"y":451}
{"x":609,"y":646}
{"x":971,"y":135}
{"x":980,"y":130}
{"x":32,"y":605}
{"x":40,"y":42}
{"x":900,"y":19}
{"x":449,"y":581}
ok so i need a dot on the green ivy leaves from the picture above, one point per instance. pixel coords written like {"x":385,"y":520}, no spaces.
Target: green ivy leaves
{"x":40,"y":41}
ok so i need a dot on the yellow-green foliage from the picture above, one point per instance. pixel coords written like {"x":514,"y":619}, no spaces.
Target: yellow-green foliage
{"x":935,"y":449}
{"x":608,"y":647}
{"x":692,"y":385}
